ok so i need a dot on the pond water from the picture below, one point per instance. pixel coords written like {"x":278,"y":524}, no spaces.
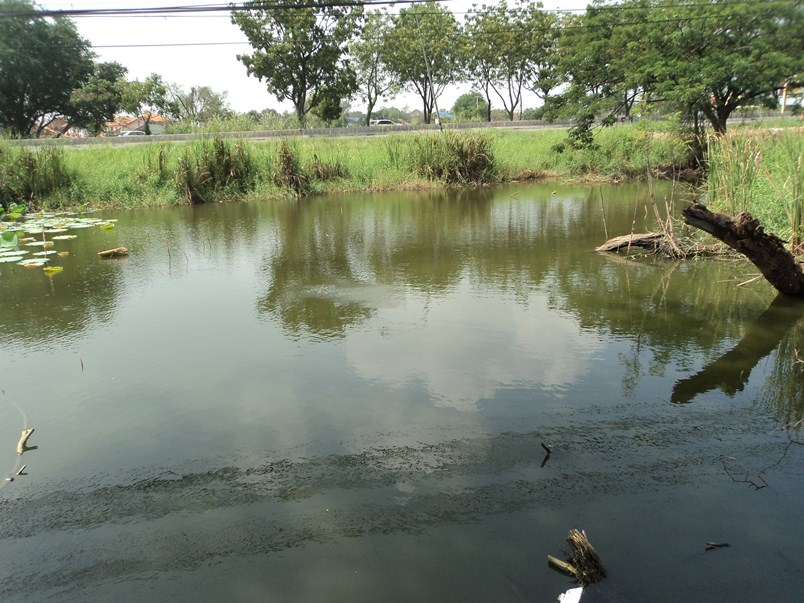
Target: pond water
{"x":345,"y":399}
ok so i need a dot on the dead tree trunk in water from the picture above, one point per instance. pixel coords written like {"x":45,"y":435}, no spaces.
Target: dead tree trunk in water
{"x":744,"y":234}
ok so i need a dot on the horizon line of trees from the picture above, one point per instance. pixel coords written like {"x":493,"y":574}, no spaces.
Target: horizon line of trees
{"x":700,"y":60}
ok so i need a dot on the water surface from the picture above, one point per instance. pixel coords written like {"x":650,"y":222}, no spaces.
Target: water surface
{"x":345,"y":399}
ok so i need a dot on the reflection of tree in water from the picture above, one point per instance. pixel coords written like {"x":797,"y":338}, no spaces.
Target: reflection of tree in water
{"x":784,"y":390}
{"x":329,"y":264}
{"x":778,"y":328}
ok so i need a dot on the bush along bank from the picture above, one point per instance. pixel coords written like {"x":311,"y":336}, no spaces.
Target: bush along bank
{"x":215,"y":169}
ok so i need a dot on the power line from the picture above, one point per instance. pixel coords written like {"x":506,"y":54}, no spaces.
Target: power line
{"x":201,"y":9}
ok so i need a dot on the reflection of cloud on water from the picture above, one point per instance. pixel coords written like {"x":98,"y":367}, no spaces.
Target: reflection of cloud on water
{"x":463,"y":348}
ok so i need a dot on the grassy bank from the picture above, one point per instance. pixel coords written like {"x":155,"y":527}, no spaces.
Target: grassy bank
{"x":213,"y":169}
{"x":760,"y":171}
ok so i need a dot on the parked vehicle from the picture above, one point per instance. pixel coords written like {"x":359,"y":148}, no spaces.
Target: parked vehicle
{"x":383,"y":122}
{"x":133,"y":133}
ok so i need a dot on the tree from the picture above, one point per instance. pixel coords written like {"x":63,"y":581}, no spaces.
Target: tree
{"x":99,"y":100}
{"x":201,"y":104}
{"x":471,"y":107}
{"x":422,"y":51}
{"x":301,"y":52}
{"x":41,"y":62}
{"x":716,"y":57}
{"x":374,"y":79}
{"x":701,"y":57}
{"x":496,"y":53}
{"x":330,"y":107}
{"x":148,"y":98}
{"x":542,"y":71}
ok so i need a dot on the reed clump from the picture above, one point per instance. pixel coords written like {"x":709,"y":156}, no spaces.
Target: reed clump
{"x":760,"y":172}
{"x":325,"y":171}
{"x":31,"y":176}
{"x":288,"y":173}
{"x":454,"y":158}
{"x":214,"y":169}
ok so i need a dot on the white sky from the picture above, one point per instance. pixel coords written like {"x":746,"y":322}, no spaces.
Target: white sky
{"x":213,"y":66}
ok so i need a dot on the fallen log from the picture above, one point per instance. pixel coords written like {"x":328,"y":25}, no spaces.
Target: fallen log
{"x":652,"y":241}
{"x":113,"y":253}
{"x":660,"y":243}
{"x":745,"y":235}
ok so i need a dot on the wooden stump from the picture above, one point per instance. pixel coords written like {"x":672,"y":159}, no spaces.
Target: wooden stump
{"x":584,"y":564}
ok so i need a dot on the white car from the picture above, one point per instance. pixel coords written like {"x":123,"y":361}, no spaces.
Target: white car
{"x":132,"y":133}
{"x":383,"y":122}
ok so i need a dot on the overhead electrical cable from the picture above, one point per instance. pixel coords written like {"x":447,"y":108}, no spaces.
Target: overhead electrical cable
{"x":196,"y":9}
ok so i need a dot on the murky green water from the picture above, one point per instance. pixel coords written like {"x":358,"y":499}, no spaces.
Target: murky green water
{"x":345,"y":399}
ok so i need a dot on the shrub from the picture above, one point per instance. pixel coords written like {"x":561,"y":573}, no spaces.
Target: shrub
{"x":28,"y":176}
{"x":288,"y":173}
{"x":214,"y":168}
{"x":454,"y":158}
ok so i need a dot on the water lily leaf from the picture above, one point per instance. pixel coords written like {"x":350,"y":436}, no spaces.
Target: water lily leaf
{"x":39,"y":244}
{"x":44,"y":253}
{"x":8,"y":239}
{"x":51,"y":270}
{"x":32,"y":263}
{"x":10,"y":258}
{"x":63,"y":254}
{"x":65,"y":237}
{"x":108,"y":226}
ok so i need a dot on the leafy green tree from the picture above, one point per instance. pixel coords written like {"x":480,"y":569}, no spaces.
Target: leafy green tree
{"x":422,"y":51}
{"x":200,"y":104}
{"x":700,"y":57}
{"x":496,"y":53}
{"x":471,"y":106}
{"x":330,"y":107}
{"x":147,"y":99}
{"x":99,"y":100}
{"x":41,"y":62}
{"x":542,"y":69}
{"x":301,"y":52}
{"x":374,"y":79}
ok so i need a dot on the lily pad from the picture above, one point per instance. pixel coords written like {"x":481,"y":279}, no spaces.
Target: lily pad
{"x":33,"y":263}
{"x":8,"y":239}
{"x":44,"y":253}
{"x":65,"y":237}
{"x":10,"y":258}
{"x":51,"y":270}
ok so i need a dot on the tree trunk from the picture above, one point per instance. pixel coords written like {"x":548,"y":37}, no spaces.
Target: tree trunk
{"x":744,"y":234}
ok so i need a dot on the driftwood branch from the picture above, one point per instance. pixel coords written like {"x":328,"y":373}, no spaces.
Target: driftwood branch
{"x":745,"y":235}
{"x":22,"y":444}
{"x":113,"y":253}
{"x":584,"y":563}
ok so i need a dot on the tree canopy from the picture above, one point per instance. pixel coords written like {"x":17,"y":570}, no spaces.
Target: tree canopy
{"x":41,"y":62}
{"x":701,"y":57}
{"x":148,"y":98}
{"x":422,"y":51}
{"x":301,"y":53}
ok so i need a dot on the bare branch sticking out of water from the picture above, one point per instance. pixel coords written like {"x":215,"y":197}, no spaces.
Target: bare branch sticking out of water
{"x":22,"y":444}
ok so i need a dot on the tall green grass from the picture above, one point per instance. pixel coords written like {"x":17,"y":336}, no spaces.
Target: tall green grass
{"x":214,"y":169}
{"x":454,"y":158}
{"x":31,"y":176}
{"x":161,"y":174}
{"x":760,"y":171}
